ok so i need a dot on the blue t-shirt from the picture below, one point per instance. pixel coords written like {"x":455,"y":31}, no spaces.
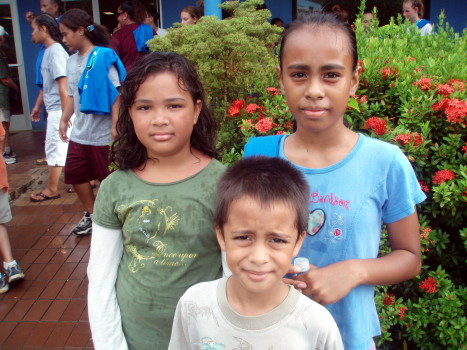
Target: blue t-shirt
{"x":348,"y":202}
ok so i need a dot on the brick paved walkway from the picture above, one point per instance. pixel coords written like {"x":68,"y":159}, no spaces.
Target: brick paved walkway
{"x":48,"y":309}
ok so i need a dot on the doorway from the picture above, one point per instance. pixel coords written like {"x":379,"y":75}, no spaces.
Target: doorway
{"x":14,"y":56}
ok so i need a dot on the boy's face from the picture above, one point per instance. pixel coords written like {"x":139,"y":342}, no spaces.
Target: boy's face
{"x":259,"y":243}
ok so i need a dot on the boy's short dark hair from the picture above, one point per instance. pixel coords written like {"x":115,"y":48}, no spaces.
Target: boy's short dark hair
{"x":267,"y":180}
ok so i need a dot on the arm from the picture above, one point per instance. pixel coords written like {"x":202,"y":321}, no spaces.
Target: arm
{"x":9,"y":83}
{"x":115,"y":112}
{"x":333,"y":282}
{"x":67,"y":113}
{"x":36,"y":110}
{"x":62,"y":90}
{"x":104,"y":312}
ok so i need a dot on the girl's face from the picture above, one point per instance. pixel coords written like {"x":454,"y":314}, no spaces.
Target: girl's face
{"x":317,"y":77}
{"x":38,"y":34}
{"x":72,"y":39}
{"x":186,"y":18}
{"x":410,"y":12}
{"x":163,"y":115}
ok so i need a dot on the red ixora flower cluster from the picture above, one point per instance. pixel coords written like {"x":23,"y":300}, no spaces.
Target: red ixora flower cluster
{"x":402,"y":311}
{"x":273,"y":91}
{"x":360,"y":99}
{"x":442,"y":176}
{"x":425,"y":232}
{"x":389,"y":299}
{"x":236,"y":107}
{"x":424,"y":186}
{"x":389,"y":72}
{"x":428,"y":285}
{"x":378,"y":125}
{"x":464,"y":148}
{"x":423,"y":83}
{"x":454,"y":109}
{"x":264,"y":125}
{"x":413,"y":137}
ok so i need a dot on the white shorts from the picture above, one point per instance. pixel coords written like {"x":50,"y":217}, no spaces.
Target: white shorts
{"x":55,"y":149}
{"x":5,"y":115}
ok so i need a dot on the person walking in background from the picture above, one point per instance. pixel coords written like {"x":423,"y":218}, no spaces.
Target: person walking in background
{"x":93,"y":72}
{"x":152,"y":233}
{"x":189,"y":15}
{"x":129,"y":41}
{"x":151,"y":20}
{"x":7,"y":87}
{"x":45,"y":31}
{"x":352,"y":191}
{"x":12,"y":270}
{"x":413,"y":11}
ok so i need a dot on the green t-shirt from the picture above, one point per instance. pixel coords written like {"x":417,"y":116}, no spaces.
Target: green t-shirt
{"x":4,"y":90}
{"x":169,"y":245}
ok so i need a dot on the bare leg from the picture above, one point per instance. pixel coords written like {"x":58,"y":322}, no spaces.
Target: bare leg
{"x":86,"y":196}
{"x":5,"y":247}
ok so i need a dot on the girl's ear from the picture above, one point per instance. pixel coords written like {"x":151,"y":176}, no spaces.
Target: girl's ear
{"x":279,"y":74}
{"x":355,"y":80}
{"x":197,"y":111}
{"x":220,"y":238}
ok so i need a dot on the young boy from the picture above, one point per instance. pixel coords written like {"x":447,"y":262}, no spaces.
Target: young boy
{"x":261,"y":218}
{"x":12,"y":270}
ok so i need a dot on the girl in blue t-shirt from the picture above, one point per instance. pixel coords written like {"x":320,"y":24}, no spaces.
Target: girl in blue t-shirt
{"x":356,"y":182}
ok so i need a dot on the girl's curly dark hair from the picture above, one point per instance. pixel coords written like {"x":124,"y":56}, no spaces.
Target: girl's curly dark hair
{"x":127,"y":152}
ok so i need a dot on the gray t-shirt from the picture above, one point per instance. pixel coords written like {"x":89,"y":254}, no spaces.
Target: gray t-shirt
{"x":53,"y":67}
{"x":88,"y":129}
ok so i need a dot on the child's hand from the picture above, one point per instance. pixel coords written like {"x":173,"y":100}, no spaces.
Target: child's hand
{"x":329,"y":284}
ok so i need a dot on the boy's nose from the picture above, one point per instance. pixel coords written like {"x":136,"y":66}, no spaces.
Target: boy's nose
{"x":259,"y":254}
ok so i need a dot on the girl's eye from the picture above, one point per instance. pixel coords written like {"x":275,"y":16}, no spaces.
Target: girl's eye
{"x":174,"y":106}
{"x":331,"y":75}
{"x":298,"y":75}
{"x":143,"y":108}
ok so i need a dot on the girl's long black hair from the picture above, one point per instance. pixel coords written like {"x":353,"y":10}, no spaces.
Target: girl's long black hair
{"x":48,"y":21}
{"x":127,"y":152}
{"x":97,"y":34}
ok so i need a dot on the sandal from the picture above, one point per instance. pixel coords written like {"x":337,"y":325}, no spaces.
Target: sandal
{"x":44,"y":197}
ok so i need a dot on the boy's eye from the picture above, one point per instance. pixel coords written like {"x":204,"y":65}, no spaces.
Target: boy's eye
{"x":278,"y":241}
{"x":241,"y":238}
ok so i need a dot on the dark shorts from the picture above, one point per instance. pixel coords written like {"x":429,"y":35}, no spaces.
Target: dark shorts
{"x":85,"y":163}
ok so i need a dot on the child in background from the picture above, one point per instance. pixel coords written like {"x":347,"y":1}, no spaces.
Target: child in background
{"x":413,"y":11}
{"x":45,"y":31}
{"x":152,"y":233}
{"x":12,"y":270}
{"x":94,"y":73}
{"x":356,"y":182}
{"x":261,"y":217}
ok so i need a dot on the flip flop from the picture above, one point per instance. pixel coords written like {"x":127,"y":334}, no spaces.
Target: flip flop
{"x":44,"y":197}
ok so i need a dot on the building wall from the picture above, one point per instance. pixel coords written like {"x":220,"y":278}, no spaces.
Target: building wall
{"x":455,"y":11}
